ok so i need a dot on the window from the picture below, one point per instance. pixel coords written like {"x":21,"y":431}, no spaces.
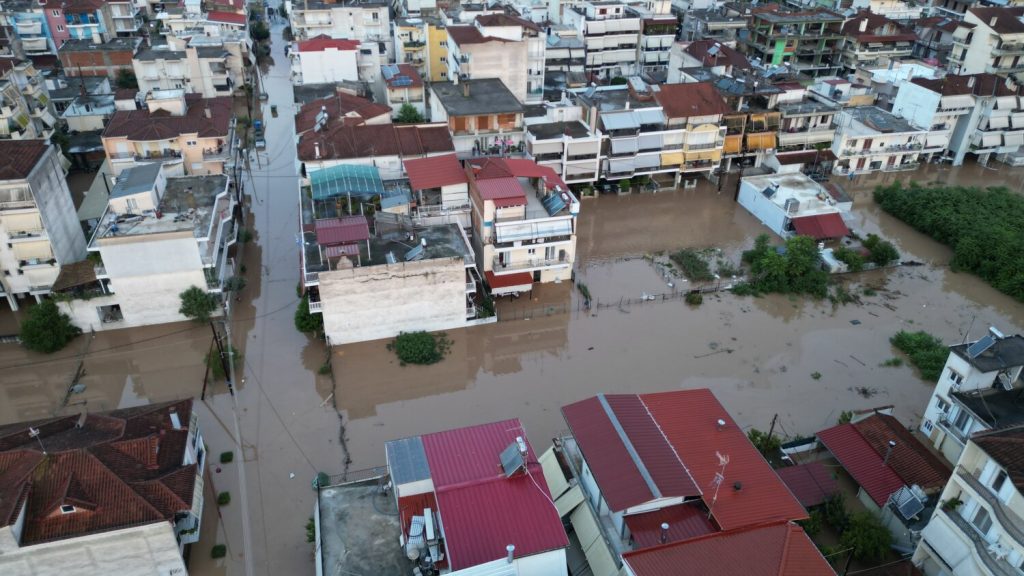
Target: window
{"x":132,"y":205}
{"x":60,"y":27}
{"x":998,"y":481}
{"x":531,"y":251}
{"x":982,"y":521}
{"x":190,"y":143}
{"x":962,"y":421}
{"x":956,"y":377}
{"x":942,"y":405}
{"x":67,"y":509}
{"x":55,"y":13}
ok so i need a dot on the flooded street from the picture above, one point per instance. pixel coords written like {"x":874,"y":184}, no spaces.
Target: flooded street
{"x":757,"y":354}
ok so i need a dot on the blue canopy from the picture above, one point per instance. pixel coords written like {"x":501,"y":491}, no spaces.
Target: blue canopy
{"x":346,"y":180}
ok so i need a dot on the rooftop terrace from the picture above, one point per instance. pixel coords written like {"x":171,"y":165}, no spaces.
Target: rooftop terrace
{"x":359,"y":530}
{"x":813,"y":198}
{"x":188,"y":203}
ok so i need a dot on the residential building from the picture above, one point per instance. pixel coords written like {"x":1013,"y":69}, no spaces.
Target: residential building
{"x":564,"y":58}
{"x":562,"y":141}
{"x":364,"y":21}
{"x":806,"y":125}
{"x":898,"y":478}
{"x":695,"y":131}
{"x":872,"y":40}
{"x":79,"y":487}
{"x":339,"y":109}
{"x":978,"y":529}
{"x":978,"y":391}
{"x":635,"y":481}
{"x":173,"y":128}
{"x":524,"y":224}
{"x":719,"y":25}
{"x":934,"y":38}
{"x":972,"y":114}
{"x":87,"y":58}
{"x":383,"y":146}
{"x":483,"y":115}
{"x":719,"y":58}
{"x":85,"y":20}
{"x":322,"y":59}
{"x":657,"y":35}
{"x":841,"y":92}
{"x":411,"y":43}
{"x":161,"y":68}
{"x":989,"y":39}
{"x":89,"y":112}
{"x":869,"y":139}
{"x":482,"y":484}
{"x":792,"y":204}
{"x":499,"y":46}
{"x":401,"y":84}
{"x":31,"y":27}
{"x":124,"y":18}
{"x":902,"y":11}
{"x":39,"y":230}
{"x":611,"y":36}
{"x":24,"y":105}
{"x":369,"y":286}
{"x":64,"y":89}
{"x":440,"y":190}
{"x":885,"y":82}
{"x":808,"y":41}
{"x":158,"y":237}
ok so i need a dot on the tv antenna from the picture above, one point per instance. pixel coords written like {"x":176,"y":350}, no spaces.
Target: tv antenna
{"x":723,"y":461}
{"x":34,"y":433}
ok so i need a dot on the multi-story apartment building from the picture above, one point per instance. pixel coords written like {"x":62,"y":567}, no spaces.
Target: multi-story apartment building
{"x":869,"y":139}
{"x":694,"y":136}
{"x":161,"y":68}
{"x":173,"y":128}
{"x":361,"y":20}
{"x":39,"y":230}
{"x":719,"y":25}
{"x":719,"y":58}
{"x":806,"y":125}
{"x":560,"y":140}
{"x":611,"y":36}
{"x":399,"y":85}
{"x":657,"y":34}
{"x":808,"y":41}
{"x":967,"y":114}
{"x":990,"y":39}
{"x":873,"y":40}
{"x":24,"y":104}
{"x":411,"y":37}
{"x":934,"y":38}
{"x":565,"y":57}
{"x":436,"y":50}
{"x":978,"y":390}
{"x":382,"y":146}
{"x":524,"y":223}
{"x":84,"y":20}
{"x":322,"y":59}
{"x":979,"y":528}
{"x":31,"y":27}
{"x":86,"y":58}
{"x":158,"y":237}
{"x":483,"y":115}
{"x":124,"y":17}
{"x":500,"y":46}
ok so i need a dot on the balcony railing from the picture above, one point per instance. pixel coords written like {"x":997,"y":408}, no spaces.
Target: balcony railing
{"x":532,"y":263}
{"x":27,"y":234}
{"x":164,"y":155}
{"x":312,"y":279}
{"x":981,"y":546}
{"x":952,"y":430}
{"x":1008,"y":519}
{"x":100,"y":270}
{"x":36,"y":262}
{"x":316,"y":306}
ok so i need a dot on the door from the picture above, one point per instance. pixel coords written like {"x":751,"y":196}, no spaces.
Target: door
{"x":867,"y":144}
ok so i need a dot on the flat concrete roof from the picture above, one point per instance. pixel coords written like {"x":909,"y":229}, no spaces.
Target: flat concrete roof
{"x":188,"y":203}
{"x":484,"y":96}
{"x":556,"y":129}
{"x":874,"y":120}
{"x":445,"y":241}
{"x":359,"y":530}
{"x":812,"y":196}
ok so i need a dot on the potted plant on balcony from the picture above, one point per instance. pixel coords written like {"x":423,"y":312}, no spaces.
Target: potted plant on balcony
{"x":952,"y":504}
{"x":624,"y":186}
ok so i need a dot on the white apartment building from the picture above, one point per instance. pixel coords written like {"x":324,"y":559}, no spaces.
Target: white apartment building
{"x":990,"y":39}
{"x":978,"y":528}
{"x":362,"y":20}
{"x":806,"y":124}
{"x":323,"y":59}
{"x":976,"y":114}
{"x":161,"y":68}
{"x":977,"y":391}
{"x":611,"y":35}
{"x":869,"y":139}
{"x":203,"y":65}
{"x":561,"y":141}
{"x":39,"y":229}
{"x":158,"y":237}
{"x":499,"y":46}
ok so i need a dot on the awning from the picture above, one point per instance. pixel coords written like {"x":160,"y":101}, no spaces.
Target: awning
{"x":998,"y":122}
{"x":761,"y":141}
{"x":821,"y":226}
{"x":733,"y":144}
{"x":1013,"y":139}
{"x":647,"y":161}
{"x":624,"y":145}
{"x":342,"y":250}
{"x":509,"y":283}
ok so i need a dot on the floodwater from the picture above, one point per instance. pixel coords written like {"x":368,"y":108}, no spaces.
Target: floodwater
{"x":759,"y":355}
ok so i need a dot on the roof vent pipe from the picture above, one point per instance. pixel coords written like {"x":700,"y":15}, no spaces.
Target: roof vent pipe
{"x":664,"y":532}
{"x":888,"y":452}
{"x":511,"y":549}
{"x":721,"y":424}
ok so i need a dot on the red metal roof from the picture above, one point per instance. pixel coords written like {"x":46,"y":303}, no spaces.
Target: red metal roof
{"x":347,"y":230}
{"x":781,"y":549}
{"x":912,"y":461}
{"x":688,"y":419}
{"x":821,"y":226}
{"x":342,"y":250}
{"x":805,"y":157}
{"x":508,"y":189}
{"x":481,"y":510}
{"x":323,"y":42}
{"x":811,"y":483}
{"x":685,"y":521}
{"x":861,"y":461}
{"x":523,"y":168}
{"x":434,"y":172}
{"x":497,"y":282}
{"x":226,"y":18}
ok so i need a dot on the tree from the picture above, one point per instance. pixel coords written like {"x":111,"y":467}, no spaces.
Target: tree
{"x":47,"y":329}
{"x":882,"y":252}
{"x":408,"y":114}
{"x":420,"y":347}
{"x":259,"y":31}
{"x":126,"y":79}
{"x":197,"y":304}
{"x":624,"y":185}
{"x":768,"y":446}
{"x":305,"y":321}
{"x":618,"y":81}
{"x":868,"y":537}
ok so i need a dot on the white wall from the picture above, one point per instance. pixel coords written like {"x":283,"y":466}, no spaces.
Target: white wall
{"x":331,"y":65}
{"x":768,"y":212}
{"x":917,"y":104}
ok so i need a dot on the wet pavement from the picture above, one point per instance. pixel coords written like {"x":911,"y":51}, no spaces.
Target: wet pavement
{"x":757,"y":354}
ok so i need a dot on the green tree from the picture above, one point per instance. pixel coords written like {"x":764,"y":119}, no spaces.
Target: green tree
{"x":768,"y":446}
{"x":197,"y":304}
{"x":126,"y":79}
{"x":926,"y":352}
{"x":882,"y":251}
{"x":420,"y":347}
{"x":408,"y":114}
{"x":868,"y":537}
{"x":60,"y":138}
{"x":624,"y":185}
{"x":47,"y":329}
{"x":305,"y":321}
{"x":259,"y":31}
{"x":618,"y":81}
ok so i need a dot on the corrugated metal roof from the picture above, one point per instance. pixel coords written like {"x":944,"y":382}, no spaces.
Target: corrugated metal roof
{"x":346,"y":179}
{"x":781,"y":549}
{"x":821,"y":226}
{"x":471,"y":453}
{"x":347,"y":230}
{"x":434,"y":172}
{"x":688,"y":418}
{"x":685,"y":521}
{"x":505,"y":282}
{"x":861,"y":461}
{"x":912,"y":461}
{"x":407,"y":461}
{"x":502,"y":189}
{"x":811,"y":483}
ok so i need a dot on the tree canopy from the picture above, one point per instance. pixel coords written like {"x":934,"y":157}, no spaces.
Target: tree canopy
{"x":408,"y":114}
{"x":794,"y":269}
{"x":197,"y":304}
{"x":305,"y":321}
{"x":47,"y":329}
{"x":126,"y":79}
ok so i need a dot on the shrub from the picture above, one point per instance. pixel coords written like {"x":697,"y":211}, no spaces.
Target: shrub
{"x":692,"y":265}
{"x":325,"y":369}
{"x":223,"y":499}
{"x":926,"y":352}
{"x":727,"y":269}
{"x":867,"y":536}
{"x":816,"y":375}
{"x":618,"y":81}
{"x":584,"y":291}
{"x":197,"y":304}
{"x":893,"y":362}
{"x":795,"y":270}
{"x":854,"y":261}
{"x":845,"y":417}
{"x":310,"y":530}
{"x":420,"y":347}
{"x":768,"y":446}
{"x":624,"y":185}
{"x":227,"y":457}
{"x":486,"y":309}
{"x":694,"y":298}
{"x":882,"y":251}
{"x":47,"y":329}
{"x":244,"y":235}
{"x":217,"y":367}
{"x":219,"y":551}
{"x":812,"y":525}
{"x":234,"y":284}
{"x":408,"y":114}
{"x":834,"y":511}
{"x":305,"y":321}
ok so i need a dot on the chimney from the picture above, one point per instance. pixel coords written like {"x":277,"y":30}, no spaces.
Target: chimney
{"x":316,"y":150}
{"x":863,"y":27}
{"x":992,"y":22}
{"x":511,"y":548}
{"x":664,"y":532}
{"x":465,"y":90}
{"x":206,"y":112}
{"x":892,"y":444}
{"x":737,"y":486}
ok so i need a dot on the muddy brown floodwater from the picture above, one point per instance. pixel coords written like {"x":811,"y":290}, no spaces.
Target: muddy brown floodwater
{"x":757,"y":354}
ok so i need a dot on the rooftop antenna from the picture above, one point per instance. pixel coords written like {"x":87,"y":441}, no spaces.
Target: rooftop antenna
{"x":34,"y":433}
{"x":888,"y":452}
{"x":723,"y":460}
{"x":664,"y":532}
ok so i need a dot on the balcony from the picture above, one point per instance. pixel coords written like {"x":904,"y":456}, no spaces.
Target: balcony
{"x":27,"y":234}
{"x":703,"y":146}
{"x":101,"y":271}
{"x":981,"y":546}
{"x":529,"y":264}
{"x":36,"y":263}
{"x":29,"y":28}
{"x":952,"y":430}
{"x":1004,"y":68}
{"x":883,"y":150}
{"x":413,"y":44}
{"x":312,"y":279}
{"x":1008,"y":519}
{"x":316,"y":306}
{"x":219,"y":153}
{"x":166,"y":154}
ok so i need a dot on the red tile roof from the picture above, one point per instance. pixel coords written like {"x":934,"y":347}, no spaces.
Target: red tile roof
{"x":693,"y":99}
{"x":1006,"y":447}
{"x":726,"y":56}
{"x":463,"y":35}
{"x":19,"y":157}
{"x":226,"y":18}
{"x":323,"y":42}
{"x":689,"y":420}
{"x":811,"y":483}
{"x":821,"y":226}
{"x":911,"y":460}
{"x":497,"y":282}
{"x":685,"y":521}
{"x":781,"y":549}
{"x":141,"y":125}
{"x":434,"y":172}
{"x":523,"y":168}
{"x":347,"y":230}
{"x":982,"y":84}
{"x":805,"y":157}
{"x":481,"y":510}
{"x":409,"y":140}
{"x":874,"y":23}
{"x":404,"y":71}
{"x":341,"y":108}
{"x":861,"y":461}
{"x":120,"y":469}
{"x":1007,"y":20}
{"x":503,"y":191}
{"x":502,"y":19}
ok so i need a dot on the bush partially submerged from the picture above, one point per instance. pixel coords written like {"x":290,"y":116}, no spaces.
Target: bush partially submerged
{"x":47,"y":329}
{"x":926,"y":352}
{"x":420,"y":347}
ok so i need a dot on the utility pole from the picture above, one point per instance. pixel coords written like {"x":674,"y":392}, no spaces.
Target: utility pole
{"x":772,"y":427}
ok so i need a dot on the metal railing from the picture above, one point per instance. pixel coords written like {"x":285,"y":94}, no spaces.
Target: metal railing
{"x":952,"y":430}
{"x":312,"y":278}
{"x":315,"y":306}
{"x":1008,"y":519}
{"x":499,"y":266}
{"x":981,"y":546}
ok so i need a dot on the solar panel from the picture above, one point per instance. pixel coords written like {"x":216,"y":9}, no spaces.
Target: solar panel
{"x":512,"y":459}
{"x":414,"y":254}
{"x":976,"y":349}
{"x":389,"y":71}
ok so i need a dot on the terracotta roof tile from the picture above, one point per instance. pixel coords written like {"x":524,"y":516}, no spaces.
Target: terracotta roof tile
{"x":434,"y":172}
{"x":141,"y":125}
{"x":982,"y":84}
{"x":693,"y":99}
{"x":911,"y":459}
{"x":341,"y":142}
{"x":726,"y":56}
{"x":501,"y":19}
{"x":341,"y":108}
{"x":19,"y":157}
{"x":323,"y":42}
{"x":226,"y":18}
{"x":1006,"y":20}
{"x":811,"y":483}
{"x":861,"y":461}
{"x":1006,"y":447}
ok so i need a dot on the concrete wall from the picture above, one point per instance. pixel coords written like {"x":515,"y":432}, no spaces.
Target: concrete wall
{"x":766,"y":211}
{"x":53,"y":198}
{"x":150,"y":549}
{"x":331,"y":65}
{"x":373,"y":302}
{"x":504,"y":60}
